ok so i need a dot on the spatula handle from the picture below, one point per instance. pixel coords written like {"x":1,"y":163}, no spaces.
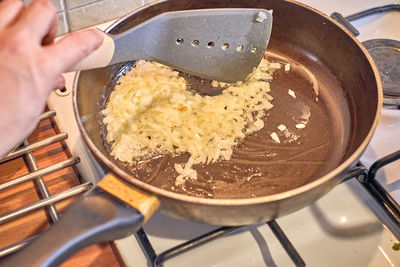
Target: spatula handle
{"x":101,"y":57}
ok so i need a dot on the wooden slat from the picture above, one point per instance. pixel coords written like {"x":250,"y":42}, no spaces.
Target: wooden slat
{"x":24,"y":194}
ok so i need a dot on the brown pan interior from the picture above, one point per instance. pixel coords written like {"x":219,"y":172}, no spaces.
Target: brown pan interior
{"x":259,"y":165}
{"x":340,"y":119}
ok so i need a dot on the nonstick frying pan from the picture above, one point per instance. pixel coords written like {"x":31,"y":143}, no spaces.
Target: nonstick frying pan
{"x":334,"y":79}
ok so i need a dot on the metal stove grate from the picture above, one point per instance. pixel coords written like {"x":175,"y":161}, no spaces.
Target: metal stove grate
{"x":378,"y":192}
{"x":384,"y":199}
{"x":35,"y":174}
{"x":361,"y":173}
{"x":158,"y":260}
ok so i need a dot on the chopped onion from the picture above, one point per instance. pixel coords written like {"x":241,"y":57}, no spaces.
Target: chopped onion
{"x":151,"y":111}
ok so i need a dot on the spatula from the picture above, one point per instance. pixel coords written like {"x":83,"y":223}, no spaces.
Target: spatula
{"x":221,"y":44}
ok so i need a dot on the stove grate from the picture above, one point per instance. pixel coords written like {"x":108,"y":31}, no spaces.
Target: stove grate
{"x":158,"y":260}
{"x":47,"y":201}
{"x":365,"y":176}
{"x":380,"y":194}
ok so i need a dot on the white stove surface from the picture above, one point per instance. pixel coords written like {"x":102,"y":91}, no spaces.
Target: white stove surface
{"x":344,"y":228}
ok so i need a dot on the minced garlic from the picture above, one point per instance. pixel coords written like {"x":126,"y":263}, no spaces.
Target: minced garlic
{"x":275,"y":65}
{"x":282,"y":127}
{"x":292,"y":93}
{"x":275,"y":137}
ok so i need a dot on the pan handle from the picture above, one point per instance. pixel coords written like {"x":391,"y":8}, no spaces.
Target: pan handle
{"x":95,"y":217}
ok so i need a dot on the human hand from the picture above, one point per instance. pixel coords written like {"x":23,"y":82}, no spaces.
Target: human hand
{"x":31,"y":64}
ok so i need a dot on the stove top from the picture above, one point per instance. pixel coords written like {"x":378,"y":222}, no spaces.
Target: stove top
{"x":344,"y":228}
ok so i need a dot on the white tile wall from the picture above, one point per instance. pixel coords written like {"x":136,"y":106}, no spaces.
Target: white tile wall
{"x":77,"y":14}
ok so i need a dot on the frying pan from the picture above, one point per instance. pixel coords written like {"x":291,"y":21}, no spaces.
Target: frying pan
{"x":334,"y":79}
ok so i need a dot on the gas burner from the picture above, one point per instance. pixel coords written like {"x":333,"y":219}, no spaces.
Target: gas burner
{"x":384,"y":52}
{"x":386,"y":55}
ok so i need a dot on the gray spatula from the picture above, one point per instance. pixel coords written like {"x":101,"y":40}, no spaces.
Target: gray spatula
{"x":221,"y":44}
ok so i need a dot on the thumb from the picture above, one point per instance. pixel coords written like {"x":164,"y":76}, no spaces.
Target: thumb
{"x":72,"y":48}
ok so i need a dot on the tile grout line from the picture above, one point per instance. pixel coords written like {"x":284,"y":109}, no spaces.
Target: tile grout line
{"x":83,"y":5}
{"x":143,"y":2}
{"x":66,"y":16}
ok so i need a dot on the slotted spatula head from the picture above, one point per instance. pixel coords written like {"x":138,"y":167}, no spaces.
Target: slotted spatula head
{"x":220,"y":44}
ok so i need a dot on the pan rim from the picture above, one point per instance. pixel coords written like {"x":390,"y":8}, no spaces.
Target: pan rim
{"x":244,"y":201}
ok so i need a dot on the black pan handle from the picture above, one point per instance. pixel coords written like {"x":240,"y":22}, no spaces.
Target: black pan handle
{"x":97,"y":216}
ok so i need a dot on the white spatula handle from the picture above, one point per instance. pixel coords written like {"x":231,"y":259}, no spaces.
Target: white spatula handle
{"x":101,"y":57}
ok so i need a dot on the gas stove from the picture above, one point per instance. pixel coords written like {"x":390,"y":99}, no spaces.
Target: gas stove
{"x":346,"y":227}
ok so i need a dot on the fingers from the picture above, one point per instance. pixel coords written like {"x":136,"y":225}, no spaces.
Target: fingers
{"x":60,"y":82}
{"x":9,"y":11}
{"x":39,"y":18}
{"x":72,"y":48}
{"x":49,"y":38}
